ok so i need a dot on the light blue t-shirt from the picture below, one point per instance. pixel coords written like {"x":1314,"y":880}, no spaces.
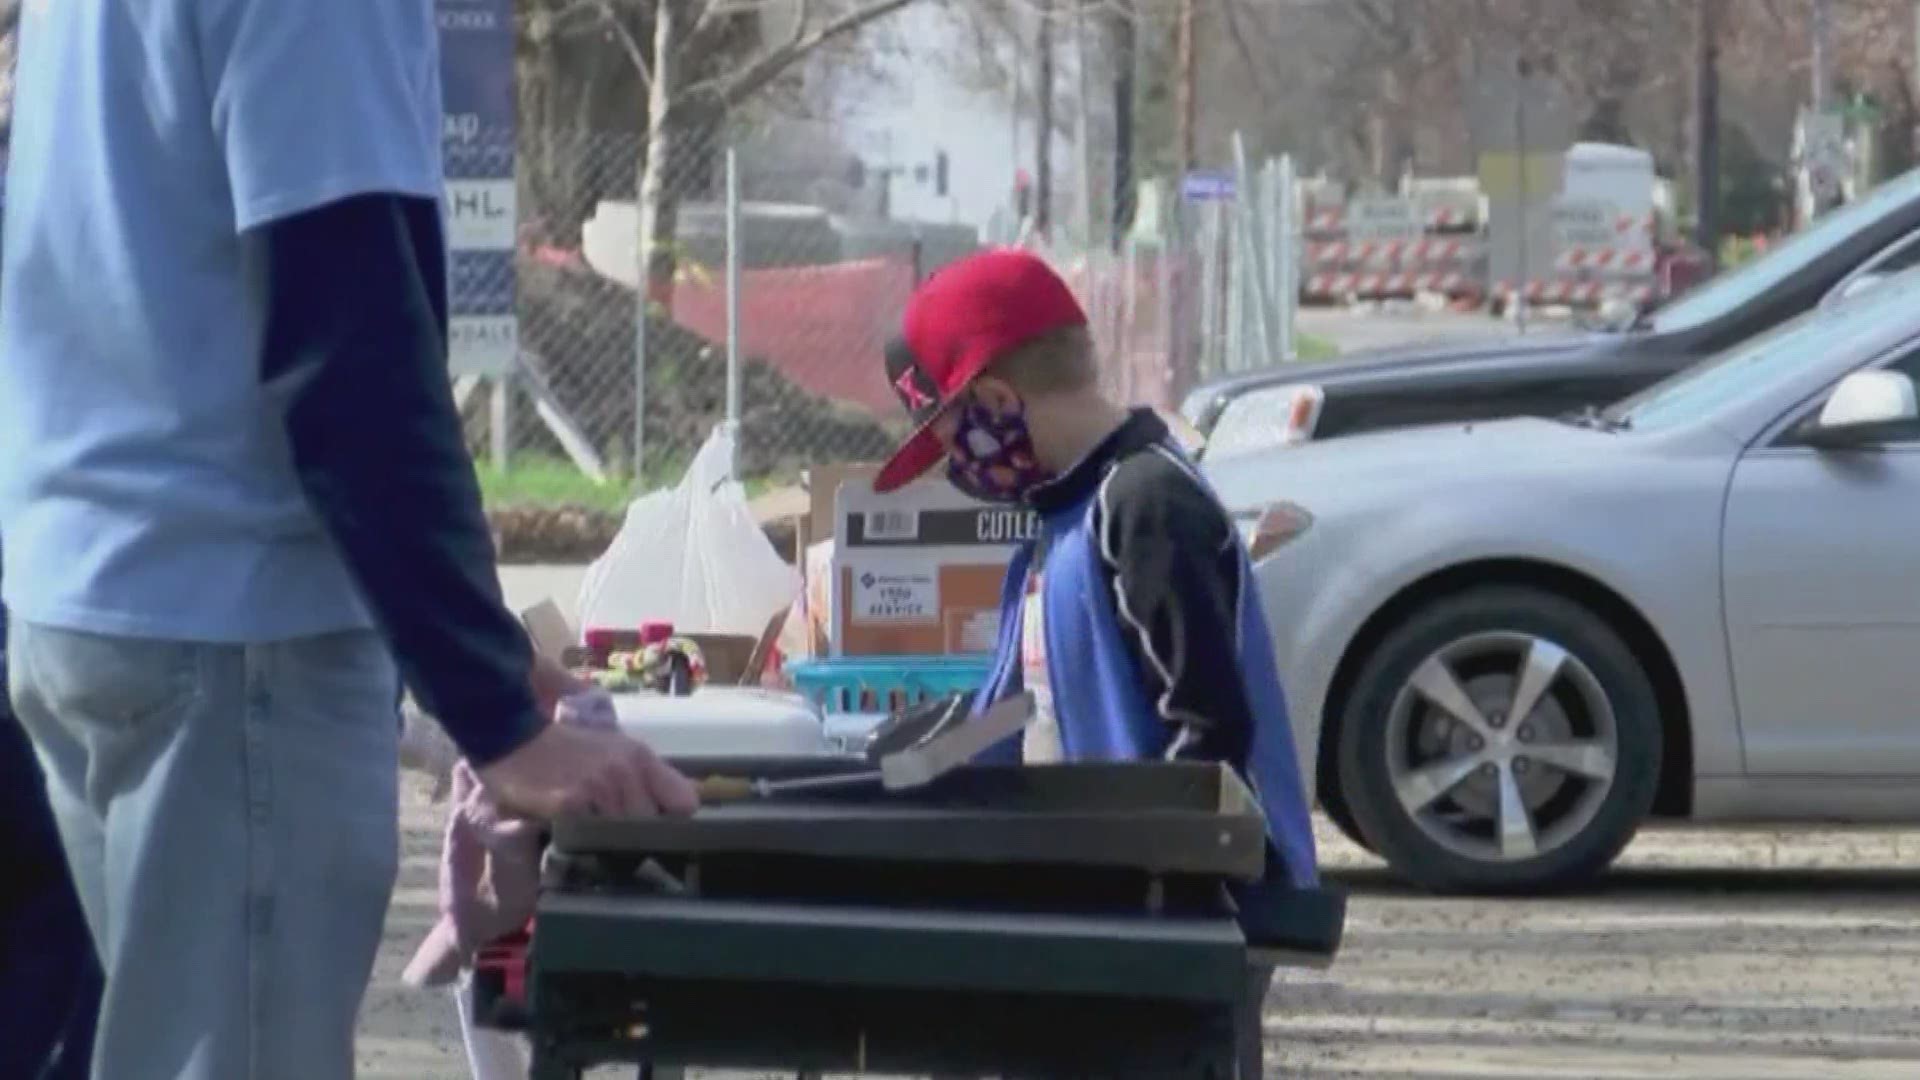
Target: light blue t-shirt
{"x":146,"y":485}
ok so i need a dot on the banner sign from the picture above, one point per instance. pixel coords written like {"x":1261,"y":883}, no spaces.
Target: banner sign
{"x":476,"y":74}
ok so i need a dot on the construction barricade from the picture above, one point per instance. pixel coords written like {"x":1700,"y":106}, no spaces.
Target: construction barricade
{"x":1375,"y":249}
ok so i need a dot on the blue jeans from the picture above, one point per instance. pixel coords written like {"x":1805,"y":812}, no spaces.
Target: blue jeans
{"x":230,"y":814}
{"x":49,"y":978}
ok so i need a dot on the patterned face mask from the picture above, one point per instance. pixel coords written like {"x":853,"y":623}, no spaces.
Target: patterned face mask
{"x":992,"y":457}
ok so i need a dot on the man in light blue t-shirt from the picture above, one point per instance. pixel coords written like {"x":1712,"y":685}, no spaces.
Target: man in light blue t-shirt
{"x":234,"y":492}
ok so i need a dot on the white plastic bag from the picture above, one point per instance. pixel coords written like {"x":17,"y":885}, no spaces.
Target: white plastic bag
{"x":692,"y":556}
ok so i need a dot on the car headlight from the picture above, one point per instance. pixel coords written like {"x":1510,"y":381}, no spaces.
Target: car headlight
{"x":1266,"y":418}
{"x":1272,"y":527}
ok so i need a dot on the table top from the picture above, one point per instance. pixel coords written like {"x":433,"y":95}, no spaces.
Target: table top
{"x":1157,"y":818}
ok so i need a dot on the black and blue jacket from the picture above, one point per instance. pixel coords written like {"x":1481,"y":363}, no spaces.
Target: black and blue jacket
{"x":1156,"y":646}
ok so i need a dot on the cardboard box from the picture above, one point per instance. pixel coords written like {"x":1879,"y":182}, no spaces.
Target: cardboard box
{"x":814,"y":525}
{"x":823,"y":487}
{"x":918,"y":571}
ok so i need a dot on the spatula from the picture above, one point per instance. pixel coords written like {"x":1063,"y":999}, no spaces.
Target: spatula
{"x":943,"y":748}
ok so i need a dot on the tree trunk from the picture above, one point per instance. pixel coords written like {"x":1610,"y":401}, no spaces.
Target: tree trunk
{"x":1125,"y":61}
{"x":1043,"y":125}
{"x":1187,"y":94}
{"x":1706,"y":128}
{"x":658,"y":201}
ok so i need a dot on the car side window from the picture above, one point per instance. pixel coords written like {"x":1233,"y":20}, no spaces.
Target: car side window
{"x":1902,"y":254}
{"x":1908,"y":365}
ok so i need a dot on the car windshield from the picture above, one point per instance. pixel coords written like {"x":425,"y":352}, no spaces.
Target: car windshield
{"x":1757,"y":364}
{"x":1729,"y":291}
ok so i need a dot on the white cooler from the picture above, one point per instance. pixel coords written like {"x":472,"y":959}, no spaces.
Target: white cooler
{"x":725,"y":721}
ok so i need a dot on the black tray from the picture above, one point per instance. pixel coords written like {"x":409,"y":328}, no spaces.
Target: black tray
{"x":1159,"y":818}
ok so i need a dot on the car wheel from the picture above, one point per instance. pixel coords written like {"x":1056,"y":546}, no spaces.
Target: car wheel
{"x":1335,"y":807}
{"x":1502,"y":740}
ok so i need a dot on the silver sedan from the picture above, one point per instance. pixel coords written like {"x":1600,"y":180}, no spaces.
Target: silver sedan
{"x":1507,"y":645}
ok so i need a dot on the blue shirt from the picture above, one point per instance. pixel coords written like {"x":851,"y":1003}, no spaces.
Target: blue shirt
{"x":146,"y":486}
{"x":1100,"y":693}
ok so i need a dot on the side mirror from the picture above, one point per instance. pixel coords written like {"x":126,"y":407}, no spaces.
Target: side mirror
{"x":1854,"y":286}
{"x":1866,"y":408}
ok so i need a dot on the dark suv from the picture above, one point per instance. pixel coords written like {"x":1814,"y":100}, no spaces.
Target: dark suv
{"x":1553,"y":373}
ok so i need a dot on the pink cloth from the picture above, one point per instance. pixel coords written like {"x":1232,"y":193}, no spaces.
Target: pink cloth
{"x":489,"y":863}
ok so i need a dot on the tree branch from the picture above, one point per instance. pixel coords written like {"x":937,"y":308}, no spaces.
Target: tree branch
{"x":628,"y":43}
{"x":1238,"y":34}
{"x":766,"y":67}
{"x":713,"y":11}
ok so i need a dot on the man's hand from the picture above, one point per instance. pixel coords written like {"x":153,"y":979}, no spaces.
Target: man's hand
{"x":553,"y":683}
{"x":566,"y":770}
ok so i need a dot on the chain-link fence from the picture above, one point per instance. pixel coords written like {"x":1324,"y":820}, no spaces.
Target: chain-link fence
{"x":816,"y":293}
{"x":1206,"y":285}
{"x":788,"y":305}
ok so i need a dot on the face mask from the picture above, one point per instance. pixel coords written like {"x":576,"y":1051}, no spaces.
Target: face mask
{"x":992,"y":458}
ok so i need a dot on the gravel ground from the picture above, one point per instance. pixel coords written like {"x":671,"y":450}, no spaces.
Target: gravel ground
{"x":1731,"y":955}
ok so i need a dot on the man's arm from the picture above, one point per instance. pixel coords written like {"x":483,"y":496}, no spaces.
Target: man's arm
{"x":1174,"y":560}
{"x":331,"y":141}
{"x":353,"y":297}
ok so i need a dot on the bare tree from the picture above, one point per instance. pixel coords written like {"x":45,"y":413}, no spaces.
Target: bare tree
{"x":688,"y":65}
{"x":682,"y":98}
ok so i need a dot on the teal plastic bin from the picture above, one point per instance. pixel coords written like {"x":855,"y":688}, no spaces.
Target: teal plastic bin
{"x":884,"y":684}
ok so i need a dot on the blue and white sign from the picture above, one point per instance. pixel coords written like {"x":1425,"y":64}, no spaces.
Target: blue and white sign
{"x":1207,"y":185}
{"x":476,"y":73}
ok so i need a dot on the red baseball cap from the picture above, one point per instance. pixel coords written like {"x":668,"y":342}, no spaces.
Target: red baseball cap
{"x":960,"y":320}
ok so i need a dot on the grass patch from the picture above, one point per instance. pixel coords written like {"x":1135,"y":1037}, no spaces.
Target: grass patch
{"x":1315,"y":348}
{"x":538,"y":481}
{"x":549,"y":482}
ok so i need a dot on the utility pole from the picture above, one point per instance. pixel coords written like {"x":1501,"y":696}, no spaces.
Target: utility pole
{"x":1125,"y":47}
{"x":1188,"y":89}
{"x":1706,"y":128}
{"x":1822,"y":53}
{"x":1043,"y":120}
{"x":1083,"y":124}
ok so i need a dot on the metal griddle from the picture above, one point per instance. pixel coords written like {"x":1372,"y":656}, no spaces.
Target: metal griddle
{"x":1053,"y":921}
{"x":1153,"y":818}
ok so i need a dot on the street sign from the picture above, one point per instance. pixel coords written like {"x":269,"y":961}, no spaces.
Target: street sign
{"x":1374,"y":220}
{"x":1512,"y":176}
{"x":1513,"y":106}
{"x":477,"y":145}
{"x":1207,"y":185}
{"x":1584,"y":223}
{"x":1823,"y":153}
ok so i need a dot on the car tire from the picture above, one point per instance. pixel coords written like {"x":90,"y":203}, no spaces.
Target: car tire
{"x":1335,"y":807}
{"x":1597,"y":681}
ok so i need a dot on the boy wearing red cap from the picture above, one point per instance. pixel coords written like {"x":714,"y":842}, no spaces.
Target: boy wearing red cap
{"x":1132,"y":618}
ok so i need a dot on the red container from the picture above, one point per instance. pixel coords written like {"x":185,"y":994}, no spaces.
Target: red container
{"x":602,"y":642}
{"x":654,"y":633}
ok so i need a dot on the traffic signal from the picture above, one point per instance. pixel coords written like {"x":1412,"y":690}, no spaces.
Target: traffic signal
{"x":940,"y":173}
{"x":856,"y":174}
